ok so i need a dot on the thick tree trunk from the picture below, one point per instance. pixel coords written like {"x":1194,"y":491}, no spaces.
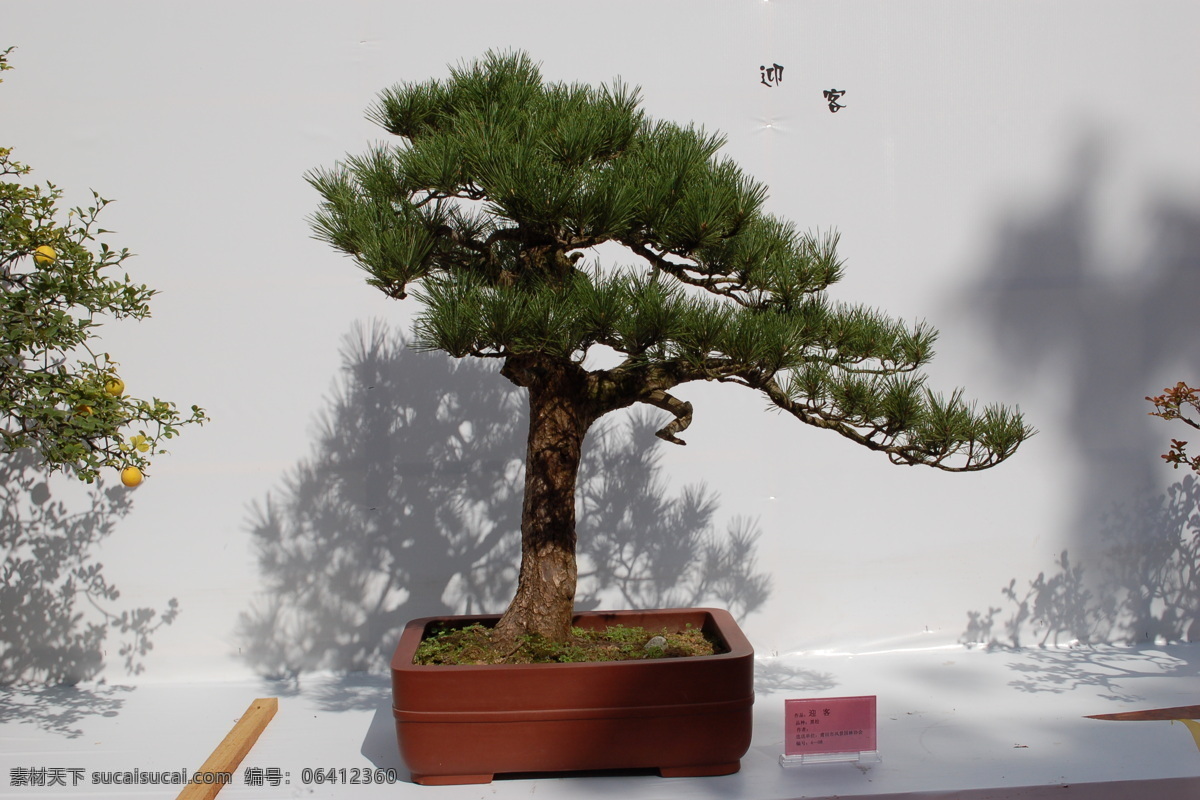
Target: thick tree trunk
{"x":558,"y":420}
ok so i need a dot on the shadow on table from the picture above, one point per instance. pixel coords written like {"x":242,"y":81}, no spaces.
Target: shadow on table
{"x":59,"y":709}
{"x":772,"y":676}
{"x":1103,"y":668}
{"x":379,"y":745}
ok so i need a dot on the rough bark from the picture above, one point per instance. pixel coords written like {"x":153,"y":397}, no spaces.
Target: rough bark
{"x":564,"y":401}
{"x":559,"y":417}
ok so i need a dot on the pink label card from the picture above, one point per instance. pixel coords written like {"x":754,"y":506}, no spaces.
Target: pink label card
{"x":829,"y":725}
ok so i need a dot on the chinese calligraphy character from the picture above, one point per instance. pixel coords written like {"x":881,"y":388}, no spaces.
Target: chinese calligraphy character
{"x":771,"y":76}
{"x":833,"y":95}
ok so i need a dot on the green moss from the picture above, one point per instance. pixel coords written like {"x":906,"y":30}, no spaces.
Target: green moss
{"x":475,"y":645}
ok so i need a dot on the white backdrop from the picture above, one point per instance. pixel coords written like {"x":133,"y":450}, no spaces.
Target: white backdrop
{"x":1023,"y":176}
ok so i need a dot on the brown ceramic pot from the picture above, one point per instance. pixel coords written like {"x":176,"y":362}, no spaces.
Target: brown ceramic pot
{"x":681,"y":716}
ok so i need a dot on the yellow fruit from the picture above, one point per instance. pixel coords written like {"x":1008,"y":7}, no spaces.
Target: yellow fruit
{"x":114,"y":386}
{"x":131,"y":476}
{"x":84,"y":409}
{"x":44,"y":255}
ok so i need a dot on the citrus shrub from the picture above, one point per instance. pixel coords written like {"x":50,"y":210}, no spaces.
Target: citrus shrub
{"x":60,"y":396}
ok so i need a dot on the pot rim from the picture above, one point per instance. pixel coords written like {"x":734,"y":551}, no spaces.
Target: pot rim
{"x":722,"y":621}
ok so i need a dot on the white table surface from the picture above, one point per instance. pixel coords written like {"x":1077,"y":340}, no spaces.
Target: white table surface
{"x":953,"y":722}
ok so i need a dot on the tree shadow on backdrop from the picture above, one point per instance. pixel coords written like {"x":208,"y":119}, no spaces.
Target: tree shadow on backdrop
{"x":1105,"y":331}
{"x":776,"y":675}
{"x":410,"y":506}
{"x":57,"y":609}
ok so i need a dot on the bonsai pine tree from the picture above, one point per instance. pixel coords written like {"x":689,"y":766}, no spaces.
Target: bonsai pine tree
{"x":487,"y":211}
{"x":59,"y":398}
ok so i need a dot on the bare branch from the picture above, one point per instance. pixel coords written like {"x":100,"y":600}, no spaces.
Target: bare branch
{"x":681,"y":409}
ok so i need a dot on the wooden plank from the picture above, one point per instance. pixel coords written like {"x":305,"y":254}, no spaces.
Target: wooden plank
{"x":233,"y":748}
{"x":1178,"y":712}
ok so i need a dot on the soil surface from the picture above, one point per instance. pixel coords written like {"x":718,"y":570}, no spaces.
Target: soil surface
{"x":474,"y":645}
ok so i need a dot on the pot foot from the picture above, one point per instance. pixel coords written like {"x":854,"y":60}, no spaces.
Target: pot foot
{"x":700,"y":770}
{"x":451,"y":780}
